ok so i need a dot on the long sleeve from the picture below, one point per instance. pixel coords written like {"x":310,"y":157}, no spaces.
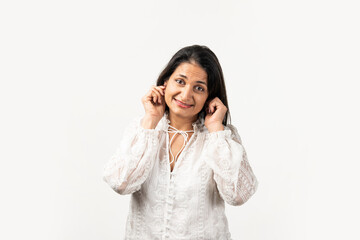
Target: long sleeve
{"x":227,"y":158}
{"x":130,"y":165}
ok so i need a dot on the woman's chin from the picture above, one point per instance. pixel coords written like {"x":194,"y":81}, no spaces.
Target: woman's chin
{"x":183,"y":113}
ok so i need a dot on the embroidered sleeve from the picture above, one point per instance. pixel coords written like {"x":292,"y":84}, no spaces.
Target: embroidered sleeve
{"x":233,"y":174}
{"x":130,"y":165}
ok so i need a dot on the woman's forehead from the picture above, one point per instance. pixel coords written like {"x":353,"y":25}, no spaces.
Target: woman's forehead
{"x":191,"y":72}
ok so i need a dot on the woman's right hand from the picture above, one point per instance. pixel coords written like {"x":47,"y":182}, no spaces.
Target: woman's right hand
{"x":154,"y":105}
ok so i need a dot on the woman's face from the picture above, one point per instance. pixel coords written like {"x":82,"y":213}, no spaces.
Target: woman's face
{"x":186,"y":90}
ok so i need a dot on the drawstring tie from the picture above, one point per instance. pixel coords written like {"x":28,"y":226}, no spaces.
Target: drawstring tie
{"x":183,"y":133}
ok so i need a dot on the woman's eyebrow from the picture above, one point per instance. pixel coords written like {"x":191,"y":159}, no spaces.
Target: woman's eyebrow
{"x":183,"y":76}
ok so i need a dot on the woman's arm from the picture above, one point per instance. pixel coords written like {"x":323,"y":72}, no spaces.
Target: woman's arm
{"x":233,"y":175}
{"x":130,"y":165}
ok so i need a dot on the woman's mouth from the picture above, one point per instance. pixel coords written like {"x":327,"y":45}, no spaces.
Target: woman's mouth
{"x":181,"y":104}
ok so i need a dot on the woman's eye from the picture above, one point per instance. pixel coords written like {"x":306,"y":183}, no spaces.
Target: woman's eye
{"x":200,"y":89}
{"x":179,"y":81}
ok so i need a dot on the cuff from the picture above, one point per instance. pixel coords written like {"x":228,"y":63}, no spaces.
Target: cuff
{"x":220,"y":134}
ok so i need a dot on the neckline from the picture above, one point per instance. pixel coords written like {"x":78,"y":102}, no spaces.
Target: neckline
{"x":196,"y":125}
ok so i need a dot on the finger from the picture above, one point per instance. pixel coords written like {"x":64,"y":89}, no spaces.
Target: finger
{"x":208,"y":111}
{"x":162,"y":89}
{"x":148,"y":93}
{"x":217,"y":103}
{"x":159,"y":90}
{"x":212,"y":107}
{"x":157,"y":96}
{"x":148,"y":96}
{"x":153,"y":97}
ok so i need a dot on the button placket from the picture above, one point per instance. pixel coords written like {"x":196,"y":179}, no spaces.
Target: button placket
{"x":169,"y":201}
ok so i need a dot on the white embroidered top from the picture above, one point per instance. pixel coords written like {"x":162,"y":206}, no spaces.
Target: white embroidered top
{"x":187,"y":203}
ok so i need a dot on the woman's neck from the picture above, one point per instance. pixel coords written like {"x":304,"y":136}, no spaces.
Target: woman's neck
{"x":181,"y":123}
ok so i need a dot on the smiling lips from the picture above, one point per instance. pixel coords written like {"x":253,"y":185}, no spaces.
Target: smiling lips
{"x":181,"y":104}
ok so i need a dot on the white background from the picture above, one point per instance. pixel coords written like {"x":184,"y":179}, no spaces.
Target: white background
{"x":73,"y":73}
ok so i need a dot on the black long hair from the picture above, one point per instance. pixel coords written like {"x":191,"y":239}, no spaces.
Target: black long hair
{"x":206,"y":59}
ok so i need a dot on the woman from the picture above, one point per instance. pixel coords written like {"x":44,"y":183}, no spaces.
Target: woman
{"x":182,"y":160}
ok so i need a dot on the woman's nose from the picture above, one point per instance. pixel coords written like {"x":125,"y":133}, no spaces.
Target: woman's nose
{"x":186,"y":93}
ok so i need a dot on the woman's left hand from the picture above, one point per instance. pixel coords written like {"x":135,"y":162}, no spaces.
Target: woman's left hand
{"x":215,"y":113}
